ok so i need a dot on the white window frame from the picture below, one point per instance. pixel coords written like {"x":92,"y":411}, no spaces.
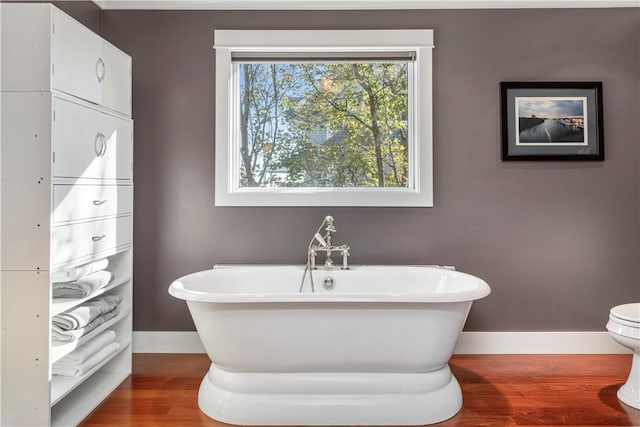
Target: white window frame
{"x":420,"y":190}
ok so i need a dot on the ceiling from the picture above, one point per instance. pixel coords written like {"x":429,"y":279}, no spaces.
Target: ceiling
{"x":358,"y":4}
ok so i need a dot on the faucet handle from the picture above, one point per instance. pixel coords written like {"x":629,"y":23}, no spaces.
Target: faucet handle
{"x":345,"y":254}
{"x":312,"y":259}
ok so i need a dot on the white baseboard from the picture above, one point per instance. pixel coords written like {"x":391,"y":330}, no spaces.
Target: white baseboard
{"x":469,"y":343}
{"x":538,"y":343}
{"x":166,"y":342}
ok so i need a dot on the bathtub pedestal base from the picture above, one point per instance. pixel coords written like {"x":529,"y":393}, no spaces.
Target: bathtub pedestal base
{"x":329,"y":398}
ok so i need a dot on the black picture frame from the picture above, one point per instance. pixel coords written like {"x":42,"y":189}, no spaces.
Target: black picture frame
{"x":559,"y":121}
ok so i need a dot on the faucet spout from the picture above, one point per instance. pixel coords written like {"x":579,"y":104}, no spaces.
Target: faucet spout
{"x":328,"y":262}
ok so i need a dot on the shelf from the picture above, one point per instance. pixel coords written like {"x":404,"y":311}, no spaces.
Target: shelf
{"x":58,"y":351}
{"x":90,"y":258}
{"x":79,"y":403}
{"x":61,"y":386}
{"x":116,"y":257}
{"x":60,"y":305}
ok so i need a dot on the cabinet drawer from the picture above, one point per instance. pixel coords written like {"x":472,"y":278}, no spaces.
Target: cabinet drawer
{"x":69,"y":242}
{"x":90,"y":144}
{"x":75,"y":202}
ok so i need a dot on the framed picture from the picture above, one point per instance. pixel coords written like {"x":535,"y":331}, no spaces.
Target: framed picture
{"x":552,"y":121}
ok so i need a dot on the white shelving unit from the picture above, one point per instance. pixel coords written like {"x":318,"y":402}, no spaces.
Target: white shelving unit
{"x":66,"y":199}
{"x":61,"y":350}
{"x":62,"y":386}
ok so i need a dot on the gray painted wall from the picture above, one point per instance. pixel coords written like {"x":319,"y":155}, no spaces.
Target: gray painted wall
{"x":558,"y":242}
{"x":84,"y":11}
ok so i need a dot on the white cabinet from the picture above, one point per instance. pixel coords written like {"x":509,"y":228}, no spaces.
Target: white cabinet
{"x":76,"y":67}
{"x":116,"y":82}
{"x":49,"y":50}
{"x":88,"y":67}
{"x":66,"y":200}
{"x":91,"y":144}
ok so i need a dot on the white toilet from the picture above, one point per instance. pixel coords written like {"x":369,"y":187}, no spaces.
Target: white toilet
{"x":624,"y":327}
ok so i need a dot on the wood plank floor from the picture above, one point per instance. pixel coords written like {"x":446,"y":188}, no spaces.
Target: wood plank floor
{"x":498,"y":390}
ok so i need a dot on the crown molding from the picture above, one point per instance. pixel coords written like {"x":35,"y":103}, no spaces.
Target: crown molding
{"x":357,"y":4}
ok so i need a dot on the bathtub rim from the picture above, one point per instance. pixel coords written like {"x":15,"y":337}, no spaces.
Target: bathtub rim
{"x":178,"y":290}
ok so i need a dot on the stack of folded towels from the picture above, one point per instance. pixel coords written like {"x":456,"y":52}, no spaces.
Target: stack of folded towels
{"x":87,"y":356}
{"x":81,"y":281}
{"x":82,"y":319}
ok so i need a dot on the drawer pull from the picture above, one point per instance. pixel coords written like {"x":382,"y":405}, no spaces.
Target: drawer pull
{"x":98,"y":238}
{"x":100,"y":145}
{"x":101,"y":70}
{"x":104,"y":146}
{"x":99,"y":202}
{"x":97,"y":144}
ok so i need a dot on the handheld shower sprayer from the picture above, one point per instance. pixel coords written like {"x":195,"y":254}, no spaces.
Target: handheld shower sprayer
{"x":320,"y":239}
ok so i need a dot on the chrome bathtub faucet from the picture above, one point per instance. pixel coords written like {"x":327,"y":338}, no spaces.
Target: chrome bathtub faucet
{"x":320,"y":243}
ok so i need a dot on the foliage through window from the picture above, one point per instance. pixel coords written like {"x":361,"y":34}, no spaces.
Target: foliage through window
{"x":340,"y":124}
{"x":323,"y":117}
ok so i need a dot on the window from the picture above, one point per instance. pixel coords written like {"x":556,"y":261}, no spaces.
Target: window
{"x":323,"y":118}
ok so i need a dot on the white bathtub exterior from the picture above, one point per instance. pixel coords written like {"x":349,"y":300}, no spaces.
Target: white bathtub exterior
{"x":373,"y":351}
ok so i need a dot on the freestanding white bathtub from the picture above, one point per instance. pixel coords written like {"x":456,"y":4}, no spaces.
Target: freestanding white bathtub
{"x":371,"y":351}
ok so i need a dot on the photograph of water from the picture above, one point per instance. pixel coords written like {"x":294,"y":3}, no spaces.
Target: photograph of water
{"x":549,"y":121}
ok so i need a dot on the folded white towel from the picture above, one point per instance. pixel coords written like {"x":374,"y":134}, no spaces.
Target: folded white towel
{"x":85,"y":351}
{"x":72,"y":274}
{"x":72,"y":291}
{"x":87,"y":365}
{"x":82,"y":287}
{"x":85,"y":313}
{"x":62,"y":336}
